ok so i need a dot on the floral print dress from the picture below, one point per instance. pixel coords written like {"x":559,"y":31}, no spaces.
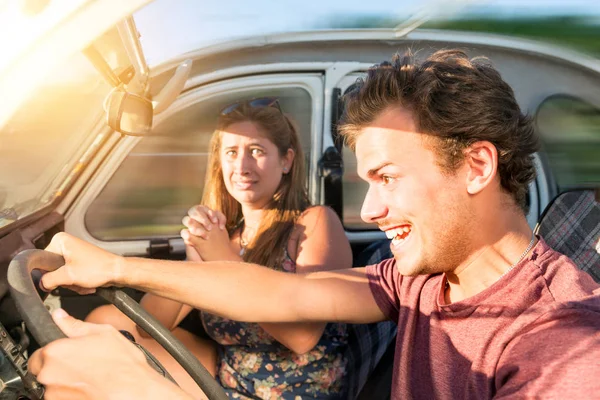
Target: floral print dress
{"x":251,"y":364}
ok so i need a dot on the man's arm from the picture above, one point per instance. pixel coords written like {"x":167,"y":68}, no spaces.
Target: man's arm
{"x":235,"y":290}
{"x":168,"y":312}
{"x":556,"y":358}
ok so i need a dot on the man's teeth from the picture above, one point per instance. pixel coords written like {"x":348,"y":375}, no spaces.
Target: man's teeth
{"x":397,"y":233}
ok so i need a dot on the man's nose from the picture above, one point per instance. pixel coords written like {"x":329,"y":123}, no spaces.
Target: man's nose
{"x":373,"y":208}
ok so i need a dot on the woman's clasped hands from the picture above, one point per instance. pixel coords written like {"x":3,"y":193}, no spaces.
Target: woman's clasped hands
{"x":205,"y":236}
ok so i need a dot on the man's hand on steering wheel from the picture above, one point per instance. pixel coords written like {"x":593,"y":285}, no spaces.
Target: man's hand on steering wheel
{"x":83,"y":267}
{"x":86,"y":266}
{"x":96,"y":362}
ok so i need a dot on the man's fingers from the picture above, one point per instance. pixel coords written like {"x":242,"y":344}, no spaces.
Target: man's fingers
{"x":51,"y":280}
{"x":34,"y":364}
{"x":56,"y":244}
{"x":73,"y":327}
{"x":79,"y":290}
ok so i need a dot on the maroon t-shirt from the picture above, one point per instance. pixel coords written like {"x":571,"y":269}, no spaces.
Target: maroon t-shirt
{"x":533,"y":333}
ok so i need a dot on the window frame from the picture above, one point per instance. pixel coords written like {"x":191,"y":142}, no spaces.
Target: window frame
{"x":312,"y":82}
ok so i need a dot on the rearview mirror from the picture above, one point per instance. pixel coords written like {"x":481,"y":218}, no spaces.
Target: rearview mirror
{"x":128,"y":113}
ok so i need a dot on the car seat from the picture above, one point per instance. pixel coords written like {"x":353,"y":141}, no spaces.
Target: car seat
{"x":371,"y":346}
{"x":571,"y":225}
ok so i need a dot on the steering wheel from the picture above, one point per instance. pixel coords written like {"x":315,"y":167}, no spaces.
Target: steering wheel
{"x":27,"y":299}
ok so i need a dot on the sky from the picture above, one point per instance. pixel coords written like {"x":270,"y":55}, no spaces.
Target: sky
{"x":200,"y":22}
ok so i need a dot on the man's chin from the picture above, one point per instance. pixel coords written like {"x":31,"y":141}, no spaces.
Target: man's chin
{"x":408,"y":270}
{"x":412,"y":267}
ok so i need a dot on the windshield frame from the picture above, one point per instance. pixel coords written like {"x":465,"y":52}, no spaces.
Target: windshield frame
{"x":65,"y":32}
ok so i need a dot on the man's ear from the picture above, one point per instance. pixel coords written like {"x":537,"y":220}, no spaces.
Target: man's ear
{"x":481,"y":161}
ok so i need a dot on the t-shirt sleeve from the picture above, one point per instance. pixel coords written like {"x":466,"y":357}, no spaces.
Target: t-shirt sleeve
{"x":384,"y":281}
{"x":558,"y":357}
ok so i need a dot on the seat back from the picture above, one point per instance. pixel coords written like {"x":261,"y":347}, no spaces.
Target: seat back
{"x":367,"y":343}
{"x":571,"y":225}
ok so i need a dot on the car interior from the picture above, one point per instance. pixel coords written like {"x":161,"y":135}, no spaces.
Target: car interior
{"x":121,"y":172}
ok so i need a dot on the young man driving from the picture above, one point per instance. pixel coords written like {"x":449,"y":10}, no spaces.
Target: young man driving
{"x":484,"y":308}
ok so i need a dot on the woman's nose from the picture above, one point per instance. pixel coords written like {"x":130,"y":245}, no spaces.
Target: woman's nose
{"x":242,"y":164}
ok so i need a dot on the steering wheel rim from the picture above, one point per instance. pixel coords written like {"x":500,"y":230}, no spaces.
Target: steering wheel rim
{"x":38,"y":320}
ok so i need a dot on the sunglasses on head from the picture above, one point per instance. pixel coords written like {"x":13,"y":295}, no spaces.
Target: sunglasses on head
{"x":259,"y":102}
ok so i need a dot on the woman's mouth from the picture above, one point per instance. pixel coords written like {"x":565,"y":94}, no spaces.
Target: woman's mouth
{"x":243,"y":185}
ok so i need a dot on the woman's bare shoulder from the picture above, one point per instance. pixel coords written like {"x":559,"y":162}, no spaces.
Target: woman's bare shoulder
{"x":316,"y":219}
{"x":320,"y":241}
{"x":317,"y":215}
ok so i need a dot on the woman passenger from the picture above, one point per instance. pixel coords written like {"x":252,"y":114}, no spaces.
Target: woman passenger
{"x":255,"y":208}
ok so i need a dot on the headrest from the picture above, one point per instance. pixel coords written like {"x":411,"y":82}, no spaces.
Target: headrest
{"x":571,"y":225}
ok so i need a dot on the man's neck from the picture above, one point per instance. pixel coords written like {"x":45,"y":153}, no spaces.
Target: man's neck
{"x":497,"y":251}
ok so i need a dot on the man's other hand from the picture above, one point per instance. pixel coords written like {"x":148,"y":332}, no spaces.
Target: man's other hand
{"x":96,"y":362}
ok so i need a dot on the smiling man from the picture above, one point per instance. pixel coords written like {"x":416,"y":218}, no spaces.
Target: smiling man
{"x":484,"y":308}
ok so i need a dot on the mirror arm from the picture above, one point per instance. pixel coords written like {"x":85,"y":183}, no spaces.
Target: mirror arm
{"x":130,"y":38}
{"x":173,"y":88}
{"x":101,"y":65}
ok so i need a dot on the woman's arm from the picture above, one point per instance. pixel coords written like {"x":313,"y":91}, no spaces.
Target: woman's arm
{"x":168,"y":312}
{"x":319,"y":244}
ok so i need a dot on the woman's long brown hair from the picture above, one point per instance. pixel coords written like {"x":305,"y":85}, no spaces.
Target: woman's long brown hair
{"x":290,"y":198}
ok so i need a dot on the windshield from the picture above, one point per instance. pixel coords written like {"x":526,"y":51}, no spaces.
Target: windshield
{"x":38,"y":144}
{"x":54,"y":133}
{"x":186,"y":25}
{"x":198,"y":24}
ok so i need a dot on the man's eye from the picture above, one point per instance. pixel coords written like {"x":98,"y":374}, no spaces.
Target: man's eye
{"x":257,"y":151}
{"x":386,"y":179}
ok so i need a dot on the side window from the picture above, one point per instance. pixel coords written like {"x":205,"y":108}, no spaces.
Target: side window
{"x":570,"y":131}
{"x":354,"y":191}
{"x":354,"y":188}
{"x":163,"y":176}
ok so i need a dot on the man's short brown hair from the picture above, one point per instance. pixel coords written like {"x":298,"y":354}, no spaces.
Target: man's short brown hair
{"x":459,"y":101}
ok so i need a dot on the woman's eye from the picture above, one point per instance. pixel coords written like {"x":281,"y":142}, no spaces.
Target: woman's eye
{"x":230,"y":153}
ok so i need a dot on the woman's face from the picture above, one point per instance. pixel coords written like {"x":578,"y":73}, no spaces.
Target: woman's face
{"x":252,"y":166}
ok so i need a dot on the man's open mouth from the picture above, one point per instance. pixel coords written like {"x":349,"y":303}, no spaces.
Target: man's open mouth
{"x":398,"y":234}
